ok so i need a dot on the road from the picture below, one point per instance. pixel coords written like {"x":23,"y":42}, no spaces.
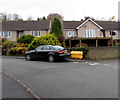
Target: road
{"x":85,"y":79}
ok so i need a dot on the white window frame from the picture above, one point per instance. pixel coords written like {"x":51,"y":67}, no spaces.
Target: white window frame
{"x":6,"y":34}
{"x":90,"y":33}
{"x":71,"y":33}
{"x":34,"y":34}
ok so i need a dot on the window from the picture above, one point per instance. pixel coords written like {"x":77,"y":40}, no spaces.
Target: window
{"x":46,"y":48}
{"x":58,"y":47}
{"x":114,"y":33}
{"x":6,"y":34}
{"x":36,"y":33}
{"x":39,"y":48}
{"x":90,"y":33}
{"x":71,"y":33}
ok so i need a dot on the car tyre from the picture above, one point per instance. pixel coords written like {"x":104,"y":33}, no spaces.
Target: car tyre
{"x":28,"y":57}
{"x":51,"y":58}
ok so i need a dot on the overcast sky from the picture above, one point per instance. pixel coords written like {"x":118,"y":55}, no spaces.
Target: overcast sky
{"x":69,"y":9}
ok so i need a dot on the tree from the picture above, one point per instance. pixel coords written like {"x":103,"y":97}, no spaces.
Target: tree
{"x":16,"y":17}
{"x":53,"y":15}
{"x":56,"y":29}
{"x":112,"y":18}
{"x":3,"y":16}
{"x":38,"y":18}
{"x":41,"y":18}
{"x":44,"y":18}
{"x":30,"y":18}
{"x":10,"y":17}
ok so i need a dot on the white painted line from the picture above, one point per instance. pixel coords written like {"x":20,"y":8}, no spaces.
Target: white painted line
{"x":106,"y":64}
{"x":93,"y":64}
{"x":96,"y":63}
{"x":75,"y":62}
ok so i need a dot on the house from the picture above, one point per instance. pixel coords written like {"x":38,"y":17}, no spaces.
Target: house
{"x":12,"y":30}
{"x":89,"y":31}
{"x":93,"y":33}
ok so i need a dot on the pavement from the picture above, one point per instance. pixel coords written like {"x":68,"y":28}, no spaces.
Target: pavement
{"x":13,"y":90}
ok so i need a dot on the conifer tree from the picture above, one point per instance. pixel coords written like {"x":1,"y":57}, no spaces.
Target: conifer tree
{"x":56,"y":28}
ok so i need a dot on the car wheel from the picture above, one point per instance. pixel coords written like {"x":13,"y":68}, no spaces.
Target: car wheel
{"x":28,"y":57}
{"x":51,"y":58}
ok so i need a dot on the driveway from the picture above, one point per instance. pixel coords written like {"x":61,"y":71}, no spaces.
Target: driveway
{"x":86,"y":79}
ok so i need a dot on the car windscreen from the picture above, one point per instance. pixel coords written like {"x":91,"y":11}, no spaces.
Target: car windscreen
{"x":58,"y":48}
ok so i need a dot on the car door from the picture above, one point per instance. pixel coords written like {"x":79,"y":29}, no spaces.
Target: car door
{"x":38,"y":52}
{"x":45,"y":51}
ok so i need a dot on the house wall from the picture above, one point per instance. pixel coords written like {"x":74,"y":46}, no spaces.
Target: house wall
{"x":107,"y":34}
{"x":13,"y":37}
{"x":89,"y":25}
{"x":27,"y":32}
{"x":44,"y":32}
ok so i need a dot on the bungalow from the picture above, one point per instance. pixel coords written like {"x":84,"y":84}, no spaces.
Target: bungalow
{"x":93,"y":33}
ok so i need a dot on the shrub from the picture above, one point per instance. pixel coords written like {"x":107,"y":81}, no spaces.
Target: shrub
{"x":19,"y":51}
{"x":21,"y":45}
{"x":82,"y":45}
{"x":25,"y":39}
{"x":8,"y":44}
{"x":117,"y":44}
{"x":48,"y":39}
{"x":3,"y":40}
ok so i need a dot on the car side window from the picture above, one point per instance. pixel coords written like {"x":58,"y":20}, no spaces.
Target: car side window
{"x":39,"y":48}
{"x":46,"y":48}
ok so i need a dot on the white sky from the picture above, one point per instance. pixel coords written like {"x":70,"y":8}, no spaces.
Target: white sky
{"x":69,"y":9}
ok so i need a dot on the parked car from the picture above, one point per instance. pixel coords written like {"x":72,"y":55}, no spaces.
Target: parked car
{"x":49,"y":52}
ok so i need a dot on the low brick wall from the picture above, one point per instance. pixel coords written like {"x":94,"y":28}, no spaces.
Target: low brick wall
{"x":103,"y":53}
